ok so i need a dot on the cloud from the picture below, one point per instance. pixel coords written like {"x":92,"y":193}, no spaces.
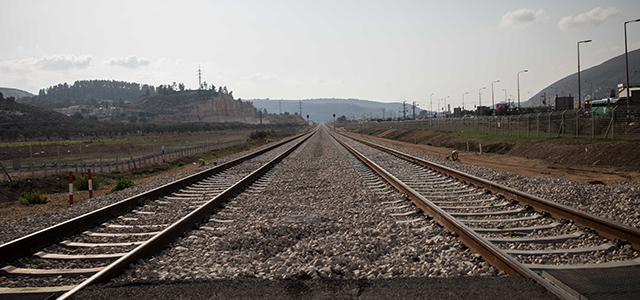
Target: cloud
{"x":261,"y":78}
{"x":130,"y":61}
{"x":55,"y":62}
{"x":594,"y":17}
{"x":521,"y":16}
{"x":63,"y":62}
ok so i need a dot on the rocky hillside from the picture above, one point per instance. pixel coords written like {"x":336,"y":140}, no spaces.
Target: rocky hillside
{"x":199,"y":106}
{"x":21,"y":120}
{"x":597,"y":81}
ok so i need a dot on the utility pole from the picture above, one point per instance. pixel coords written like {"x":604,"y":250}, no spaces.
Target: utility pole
{"x":404,"y":110}
{"x":199,"y":78}
{"x":414,"y":110}
{"x":383,"y":111}
{"x":300,"y":102}
{"x":280,"y":103}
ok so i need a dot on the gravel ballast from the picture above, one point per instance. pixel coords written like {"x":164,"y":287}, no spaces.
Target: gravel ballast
{"x":618,"y":202}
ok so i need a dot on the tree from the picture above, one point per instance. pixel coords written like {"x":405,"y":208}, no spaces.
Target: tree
{"x":78,"y":116}
{"x":181,"y":87}
{"x":342,"y":119}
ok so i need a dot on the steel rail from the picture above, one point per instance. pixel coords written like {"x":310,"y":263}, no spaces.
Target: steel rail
{"x":42,"y":238}
{"x":168,"y":235}
{"x":605,"y":227}
{"x":470,"y":238}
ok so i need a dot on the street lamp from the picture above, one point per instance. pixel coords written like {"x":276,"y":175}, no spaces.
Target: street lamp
{"x":626,"y":60}
{"x":523,"y":71}
{"x":505,"y":96}
{"x":493,"y":106}
{"x":431,"y":102}
{"x":445,"y":104}
{"x":465,"y":93}
{"x":579,"y":92}
{"x":480,"y":95}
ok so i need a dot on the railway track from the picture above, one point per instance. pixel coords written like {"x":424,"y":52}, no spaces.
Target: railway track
{"x":571,"y":253}
{"x":99,"y":245}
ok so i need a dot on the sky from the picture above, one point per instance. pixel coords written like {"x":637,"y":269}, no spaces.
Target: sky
{"x":387,"y":51}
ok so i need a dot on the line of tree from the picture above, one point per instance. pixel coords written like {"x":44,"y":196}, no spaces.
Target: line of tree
{"x":85,"y":92}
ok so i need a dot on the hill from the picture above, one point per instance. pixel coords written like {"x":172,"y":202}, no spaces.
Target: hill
{"x":203,"y":106}
{"x":26,"y":121}
{"x":597,"y":81}
{"x":15,"y":93}
{"x":93,"y":93}
{"x":322,"y":110}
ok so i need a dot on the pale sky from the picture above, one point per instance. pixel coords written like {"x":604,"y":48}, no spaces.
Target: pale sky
{"x":386,"y":51}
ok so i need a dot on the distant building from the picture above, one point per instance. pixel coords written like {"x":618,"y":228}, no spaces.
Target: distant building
{"x":480,"y":111}
{"x":564,"y":103}
{"x":457,"y":112}
{"x":634,"y":91}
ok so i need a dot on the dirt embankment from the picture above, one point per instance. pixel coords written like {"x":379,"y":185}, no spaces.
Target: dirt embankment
{"x":608,"y":162}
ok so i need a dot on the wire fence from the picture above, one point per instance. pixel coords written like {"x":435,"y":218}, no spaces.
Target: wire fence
{"x":101,"y":159}
{"x":618,"y":123}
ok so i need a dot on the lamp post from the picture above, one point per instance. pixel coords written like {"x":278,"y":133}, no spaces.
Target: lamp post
{"x":445,"y":104}
{"x":493,"y":105}
{"x":579,"y":91}
{"x":505,"y":97}
{"x":480,"y":95}
{"x":465,"y":93}
{"x":431,"y":102}
{"x":523,"y":71}
{"x":626,"y":60}
{"x":554,"y":97}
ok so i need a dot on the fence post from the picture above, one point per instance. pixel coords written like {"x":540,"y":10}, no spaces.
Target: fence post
{"x":520,"y":115}
{"x":538,"y":123}
{"x":70,"y":187}
{"x":550,"y":113}
{"x":593,"y":126}
{"x":577,"y":121}
{"x":31,"y":155}
{"x":613,"y":123}
{"x":90,"y":185}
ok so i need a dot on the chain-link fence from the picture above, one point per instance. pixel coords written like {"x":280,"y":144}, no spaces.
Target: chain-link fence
{"x":38,"y":161}
{"x":617,"y":123}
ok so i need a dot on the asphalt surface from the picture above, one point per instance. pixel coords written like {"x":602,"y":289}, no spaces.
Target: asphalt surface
{"x":479,"y":287}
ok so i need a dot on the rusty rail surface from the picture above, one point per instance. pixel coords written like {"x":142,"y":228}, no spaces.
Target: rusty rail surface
{"x":470,"y":238}
{"x":21,"y":246}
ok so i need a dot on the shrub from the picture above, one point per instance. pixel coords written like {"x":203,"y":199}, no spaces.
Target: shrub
{"x":122,"y":184}
{"x":82,"y":183}
{"x":33,"y":197}
{"x":180,"y":164}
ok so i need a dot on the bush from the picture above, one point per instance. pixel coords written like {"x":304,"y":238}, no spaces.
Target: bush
{"x":33,"y":197}
{"x":180,"y":164}
{"x":122,"y":184}
{"x":82,"y":183}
